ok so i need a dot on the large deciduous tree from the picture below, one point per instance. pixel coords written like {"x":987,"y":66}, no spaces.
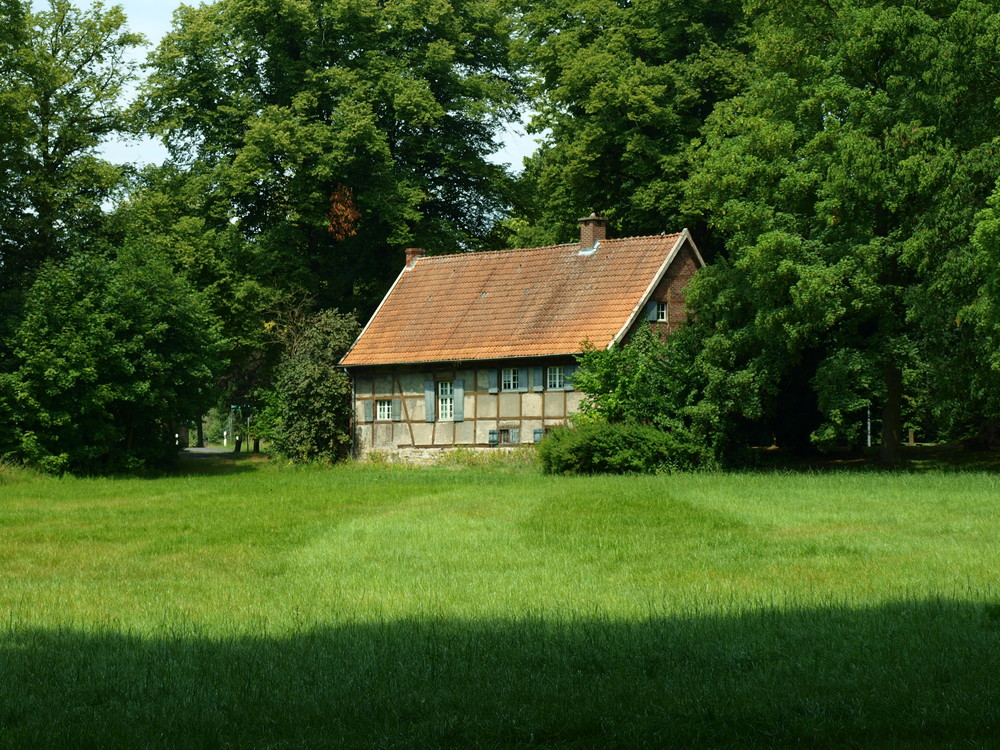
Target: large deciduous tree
{"x":620,"y":90}
{"x":847,"y":179}
{"x":64,"y":73}
{"x":340,"y":130}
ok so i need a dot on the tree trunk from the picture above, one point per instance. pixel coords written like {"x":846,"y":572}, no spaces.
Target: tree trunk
{"x":256,"y":445}
{"x":891,"y":453}
{"x":201,"y":433}
{"x":238,"y":444}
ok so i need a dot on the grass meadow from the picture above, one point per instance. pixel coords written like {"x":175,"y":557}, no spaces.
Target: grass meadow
{"x":244,"y":604}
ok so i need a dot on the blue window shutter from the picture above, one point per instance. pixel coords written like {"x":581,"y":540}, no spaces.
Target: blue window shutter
{"x":494,"y":383}
{"x":515,"y":435}
{"x":459,"y":400}
{"x":570,"y":369}
{"x":537,"y":381}
{"x":397,"y":409}
{"x":522,"y":379}
{"x":539,"y":434}
{"x":494,"y":437}
{"x":369,"y":411}
{"x":651,"y":310}
{"x":428,"y":400}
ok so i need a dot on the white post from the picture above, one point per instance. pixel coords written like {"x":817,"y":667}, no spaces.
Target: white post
{"x":225,"y":438}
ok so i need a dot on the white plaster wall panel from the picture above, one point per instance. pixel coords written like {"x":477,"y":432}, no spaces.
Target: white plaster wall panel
{"x":555,"y":405}
{"x":401,"y":434}
{"x":383,"y":436}
{"x":415,"y":409}
{"x":510,"y":405}
{"x":423,"y":433}
{"x":412,"y":383}
{"x":444,"y":433}
{"x":486,"y":407}
{"x":531,"y":405}
{"x":465,"y":433}
{"x":483,"y":431}
{"x":383,"y":384}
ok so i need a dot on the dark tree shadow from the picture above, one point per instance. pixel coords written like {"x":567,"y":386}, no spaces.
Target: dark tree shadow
{"x":920,"y":674}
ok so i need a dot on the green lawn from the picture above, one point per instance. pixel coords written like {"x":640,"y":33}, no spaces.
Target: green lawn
{"x":362,"y":606}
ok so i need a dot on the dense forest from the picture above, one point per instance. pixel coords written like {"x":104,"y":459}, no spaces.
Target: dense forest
{"x":837,"y":161}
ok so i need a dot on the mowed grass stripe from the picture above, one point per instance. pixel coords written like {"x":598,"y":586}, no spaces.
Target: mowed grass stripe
{"x":324,"y":546}
{"x":392,"y":607}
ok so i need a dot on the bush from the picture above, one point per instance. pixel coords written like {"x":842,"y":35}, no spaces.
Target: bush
{"x":308,"y":415}
{"x":110,"y":354}
{"x":599,"y":447}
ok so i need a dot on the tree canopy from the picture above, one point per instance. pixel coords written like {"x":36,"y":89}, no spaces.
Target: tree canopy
{"x":341,"y":132}
{"x":846,"y":179}
{"x":61,"y":94}
{"x":620,"y":90}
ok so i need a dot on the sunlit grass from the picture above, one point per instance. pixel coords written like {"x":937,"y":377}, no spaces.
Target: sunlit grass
{"x":499,"y":607}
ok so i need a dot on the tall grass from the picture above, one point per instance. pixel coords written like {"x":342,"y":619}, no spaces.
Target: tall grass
{"x":401,"y":607}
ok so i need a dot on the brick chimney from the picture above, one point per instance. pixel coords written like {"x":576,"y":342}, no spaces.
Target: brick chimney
{"x":412,"y":253}
{"x":593,"y":229}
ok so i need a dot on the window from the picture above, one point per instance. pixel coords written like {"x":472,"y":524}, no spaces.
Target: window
{"x":507,"y":436}
{"x":446,"y":399}
{"x":383,"y":409}
{"x":556,"y":378}
{"x":509,"y":379}
{"x":661,"y":312}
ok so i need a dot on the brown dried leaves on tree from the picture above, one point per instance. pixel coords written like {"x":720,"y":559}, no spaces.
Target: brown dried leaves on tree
{"x":343,"y":213}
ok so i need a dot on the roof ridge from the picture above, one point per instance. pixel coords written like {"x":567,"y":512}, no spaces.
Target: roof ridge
{"x":480,"y":253}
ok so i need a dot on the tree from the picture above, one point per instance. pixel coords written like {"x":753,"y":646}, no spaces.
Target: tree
{"x":175,"y":213}
{"x":621,"y":89}
{"x":111,"y":354}
{"x":309,"y":415}
{"x":61,"y":98}
{"x":340,"y":131}
{"x":846,"y":180}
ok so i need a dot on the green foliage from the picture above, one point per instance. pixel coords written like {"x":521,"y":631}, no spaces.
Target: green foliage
{"x":846,"y":179}
{"x":599,"y":447}
{"x":620,"y":91}
{"x":308,"y":417}
{"x":110,"y":355}
{"x":60,"y":98}
{"x":638,"y":382}
{"x":340,"y":132}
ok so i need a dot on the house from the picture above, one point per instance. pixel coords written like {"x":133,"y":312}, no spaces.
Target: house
{"x":477,"y":349}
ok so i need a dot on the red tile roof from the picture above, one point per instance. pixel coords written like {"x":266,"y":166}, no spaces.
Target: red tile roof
{"x":514,"y":303}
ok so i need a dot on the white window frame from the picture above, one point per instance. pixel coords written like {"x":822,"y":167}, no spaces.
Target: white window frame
{"x":383,"y":409}
{"x":446,"y":399}
{"x":661,"y":312}
{"x":509,"y":380}
{"x":555,"y":378}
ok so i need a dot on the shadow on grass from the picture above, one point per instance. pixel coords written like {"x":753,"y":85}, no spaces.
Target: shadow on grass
{"x":916,"y":458}
{"x":905,"y":675}
{"x":215,"y":463}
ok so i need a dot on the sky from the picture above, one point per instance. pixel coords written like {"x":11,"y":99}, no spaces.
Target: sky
{"x":152,"y":18}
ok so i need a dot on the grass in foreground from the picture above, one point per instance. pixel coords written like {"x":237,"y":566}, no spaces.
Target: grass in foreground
{"x":394,"y":607}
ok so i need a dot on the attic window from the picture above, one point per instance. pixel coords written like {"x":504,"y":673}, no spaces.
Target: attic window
{"x":661,"y":312}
